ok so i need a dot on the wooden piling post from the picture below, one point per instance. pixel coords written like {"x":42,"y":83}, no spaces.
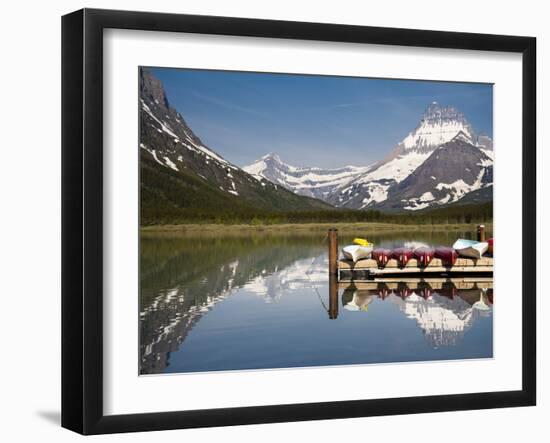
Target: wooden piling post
{"x":332,"y":297}
{"x":481,"y":233}
{"x":333,"y":251}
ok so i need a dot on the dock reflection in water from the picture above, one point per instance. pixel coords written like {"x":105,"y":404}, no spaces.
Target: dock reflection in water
{"x":267,"y":302}
{"x":443,"y":311}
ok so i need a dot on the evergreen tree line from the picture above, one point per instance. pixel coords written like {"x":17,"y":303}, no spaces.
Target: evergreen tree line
{"x":473,"y":213}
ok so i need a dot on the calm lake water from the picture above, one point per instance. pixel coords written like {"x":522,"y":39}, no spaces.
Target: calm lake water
{"x":262,"y":301}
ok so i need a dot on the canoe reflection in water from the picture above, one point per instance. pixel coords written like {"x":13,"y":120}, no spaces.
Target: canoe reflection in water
{"x":444,"y":310}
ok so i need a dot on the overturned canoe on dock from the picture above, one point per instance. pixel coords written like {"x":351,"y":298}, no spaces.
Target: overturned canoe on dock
{"x":471,"y":248}
{"x":447,"y":255}
{"x":402,"y":255}
{"x":424,"y":262}
{"x":382,"y":256}
{"x":424,"y":255}
{"x":356,"y":252}
{"x":369,"y":268}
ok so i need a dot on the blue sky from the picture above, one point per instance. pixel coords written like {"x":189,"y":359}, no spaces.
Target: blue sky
{"x":312,"y":120}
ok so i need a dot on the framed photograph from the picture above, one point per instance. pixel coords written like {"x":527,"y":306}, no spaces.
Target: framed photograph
{"x":268,"y":221}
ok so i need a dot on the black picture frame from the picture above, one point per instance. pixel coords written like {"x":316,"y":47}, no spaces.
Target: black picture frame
{"x":82,"y":220}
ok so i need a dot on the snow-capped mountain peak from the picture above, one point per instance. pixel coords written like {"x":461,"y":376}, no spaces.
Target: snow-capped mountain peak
{"x":272,"y":156}
{"x":381,"y":185}
{"x":439,"y":125}
{"x":172,"y":151}
{"x":309,"y":181}
{"x":449,"y":174}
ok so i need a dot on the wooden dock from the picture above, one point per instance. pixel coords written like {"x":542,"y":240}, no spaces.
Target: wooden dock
{"x":435,"y":283}
{"x":368,"y":269}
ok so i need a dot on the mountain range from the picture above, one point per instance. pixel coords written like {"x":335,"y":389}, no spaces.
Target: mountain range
{"x":441,"y":162}
{"x":180,"y":173}
{"x":313,"y":182}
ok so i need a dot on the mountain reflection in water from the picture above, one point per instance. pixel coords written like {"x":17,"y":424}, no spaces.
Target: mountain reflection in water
{"x":443,"y":315}
{"x":263,"y":302}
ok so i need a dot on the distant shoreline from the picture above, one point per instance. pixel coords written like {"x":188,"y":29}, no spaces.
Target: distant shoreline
{"x":303,"y":228}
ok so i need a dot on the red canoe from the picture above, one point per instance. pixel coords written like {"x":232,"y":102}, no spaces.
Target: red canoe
{"x":404,"y":292}
{"x":425,"y":292}
{"x":424,"y":255}
{"x":491,"y":242}
{"x":447,"y":255}
{"x":383,"y":293}
{"x":381,"y":255}
{"x":402,"y":255}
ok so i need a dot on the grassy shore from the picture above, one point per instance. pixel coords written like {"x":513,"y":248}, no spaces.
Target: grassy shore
{"x":303,"y":228}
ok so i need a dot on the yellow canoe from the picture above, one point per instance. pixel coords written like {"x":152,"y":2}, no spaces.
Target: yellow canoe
{"x":361,"y":242}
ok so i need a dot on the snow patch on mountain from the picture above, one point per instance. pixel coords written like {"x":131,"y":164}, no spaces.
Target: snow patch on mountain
{"x":421,"y":202}
{"x":256,"y":169}
{"x":397,"y":169}
{"x":309,"y":181}
{"x":170,"y":164}
{"x":460,"y":188}
{"x":489,"y":153}
{"x":377,"y":192}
